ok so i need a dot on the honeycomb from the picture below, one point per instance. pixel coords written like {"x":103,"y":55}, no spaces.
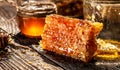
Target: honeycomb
{"x":70,"y":37}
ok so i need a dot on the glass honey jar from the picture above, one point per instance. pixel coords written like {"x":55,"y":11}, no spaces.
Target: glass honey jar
{"x":108,"y":13}
{"x":31,"y":16}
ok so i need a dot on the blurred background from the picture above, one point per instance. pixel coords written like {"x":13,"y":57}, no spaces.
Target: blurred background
{"x":72,"y":8}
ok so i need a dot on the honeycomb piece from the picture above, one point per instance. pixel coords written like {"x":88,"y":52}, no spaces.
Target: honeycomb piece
{"x":70,"y":37}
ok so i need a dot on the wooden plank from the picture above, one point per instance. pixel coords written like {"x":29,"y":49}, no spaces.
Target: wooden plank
{"x":25,"y":59}
{"x":20,"y":58}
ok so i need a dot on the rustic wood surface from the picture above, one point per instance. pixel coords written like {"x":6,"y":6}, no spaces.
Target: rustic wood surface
{"x":20,"y":57}
{"x":23,"y":55}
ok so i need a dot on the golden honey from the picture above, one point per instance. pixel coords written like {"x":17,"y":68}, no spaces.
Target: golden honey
{"x":31,"y":26}
{"x":31,"y":17}
{"x":108,"y":49}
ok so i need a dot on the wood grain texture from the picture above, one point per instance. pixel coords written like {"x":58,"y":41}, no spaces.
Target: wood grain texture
{"x":8,"y":18}
{"x":20,"y":58}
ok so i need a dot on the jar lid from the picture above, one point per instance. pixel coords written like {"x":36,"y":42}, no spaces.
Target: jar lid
{"x":37,"y":8}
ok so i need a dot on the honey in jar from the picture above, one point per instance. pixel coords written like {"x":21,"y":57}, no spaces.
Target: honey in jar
{"x":31,"y":17}
{"x":31,"y":26}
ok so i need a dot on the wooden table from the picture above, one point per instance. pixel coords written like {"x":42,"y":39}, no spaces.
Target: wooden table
{"x":22,"y":55}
